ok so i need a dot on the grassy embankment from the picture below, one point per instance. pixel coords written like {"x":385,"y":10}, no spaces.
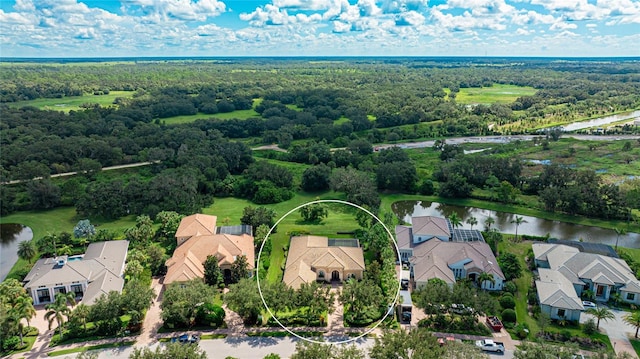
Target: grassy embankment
{"x":92,"y":347}
{"x":74,"y":103}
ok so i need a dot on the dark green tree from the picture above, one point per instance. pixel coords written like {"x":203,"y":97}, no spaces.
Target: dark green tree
{"x":212,"y":273}
{"x":510,"y":265}
{"x":239,"y":269}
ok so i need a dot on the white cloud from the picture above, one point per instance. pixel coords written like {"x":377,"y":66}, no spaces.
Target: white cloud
{"x":24,"y":5}
{"x":532,"y":17}
{"x":412,"y":18}
{"x":303,"y":4}
{"x":562,"y":25}
{"x":524,"y":32}
{"x":179,"y":9}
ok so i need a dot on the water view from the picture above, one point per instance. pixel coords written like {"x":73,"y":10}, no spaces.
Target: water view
{"x":533,"y":225}
{"x":11,"y":234}
{"x":601,"y":121}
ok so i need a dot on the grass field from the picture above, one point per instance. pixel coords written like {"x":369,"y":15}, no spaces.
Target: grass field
{"x":87,"y":348}
{"x":495,"y":94}
{"x":238,"y":114}
{"x":67,"y":104}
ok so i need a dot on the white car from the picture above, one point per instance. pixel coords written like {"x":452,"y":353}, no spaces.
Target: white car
{"x":577,"y":356}
{"x":588,"y":304}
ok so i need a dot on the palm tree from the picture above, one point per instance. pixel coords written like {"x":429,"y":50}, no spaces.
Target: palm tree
{"x":15,"y":319}
{"x":633,"y":319}
{"x":601,"y":313}
{"x":57,"y":311}
{"x":24,"y":307}
{"x":472,"y":221}
{"x":455,"y":220}
{"x":82,"y":312}
{"x":619,"y":232}
{"x":488,"y":223}
{"x":27,"y":250}
{"x":485,"y":277}
{"x":518,"y":221}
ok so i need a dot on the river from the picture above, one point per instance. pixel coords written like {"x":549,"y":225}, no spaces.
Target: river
{"x":533,"y":225}
{"x":11,"y":235}
{"x":596,"y":122}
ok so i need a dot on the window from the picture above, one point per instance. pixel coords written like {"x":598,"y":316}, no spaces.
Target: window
{"x":321,"y":274}
{"x":44,"y":296}
{"x":77,"y":290}
{"x":631,"y":296}
{"x":561,"y":313}
{"x":57,"y":290}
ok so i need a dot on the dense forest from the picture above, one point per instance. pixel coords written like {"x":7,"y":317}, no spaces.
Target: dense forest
{"x":327,"y":115}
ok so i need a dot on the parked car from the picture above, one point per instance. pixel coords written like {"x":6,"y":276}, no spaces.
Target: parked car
{"x":186,"y":339}
{"x":460,"y":309}
{"x":577,"y":356}
{"x":489,"y":345}
{"x":587,"y":304}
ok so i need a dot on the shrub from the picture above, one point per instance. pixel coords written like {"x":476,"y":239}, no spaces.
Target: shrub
{"x":510,"y":287}
{"x":507,"y":302}
{"x":589,"y":327}
{"x":509,"y":315}
{"x":522,"y":330}
{"x":11,"y":343}
{"x":210,"y":314}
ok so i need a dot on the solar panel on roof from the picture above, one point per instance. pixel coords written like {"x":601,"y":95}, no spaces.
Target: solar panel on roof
{"x":466,"y":235}
{"x":235,"y":230}
{"x":343,"y":242}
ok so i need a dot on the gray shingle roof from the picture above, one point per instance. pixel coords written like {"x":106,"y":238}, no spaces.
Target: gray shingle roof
{"x":555,"y":290}
{"x":101,"y":267}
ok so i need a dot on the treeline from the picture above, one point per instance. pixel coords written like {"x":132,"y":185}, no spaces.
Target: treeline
{"x":558,"y":188}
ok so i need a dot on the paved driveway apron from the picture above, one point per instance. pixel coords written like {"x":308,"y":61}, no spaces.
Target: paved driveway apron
{"x":617,"y":330}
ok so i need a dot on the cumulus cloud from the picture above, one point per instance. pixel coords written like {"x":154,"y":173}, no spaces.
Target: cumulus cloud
{"x":198,"y":10}
{"x":338,"y":27}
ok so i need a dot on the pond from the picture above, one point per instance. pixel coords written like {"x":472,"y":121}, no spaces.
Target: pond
{"x":11,"y":234}
{"x":533,"y":226}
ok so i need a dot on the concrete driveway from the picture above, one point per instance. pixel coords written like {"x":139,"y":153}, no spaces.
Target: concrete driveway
{"x":618,"y":331}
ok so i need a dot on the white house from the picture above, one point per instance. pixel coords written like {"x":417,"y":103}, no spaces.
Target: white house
{"x":97,"y":272}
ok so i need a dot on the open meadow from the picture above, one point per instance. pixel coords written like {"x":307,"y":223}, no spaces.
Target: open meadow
{"x":74,"y":103}
{"x":498,"y":93}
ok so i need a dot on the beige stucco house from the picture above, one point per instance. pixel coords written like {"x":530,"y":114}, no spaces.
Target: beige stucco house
{"x":98,"y":271}
{"x":198,"y":237}
{"x":315,"y":258}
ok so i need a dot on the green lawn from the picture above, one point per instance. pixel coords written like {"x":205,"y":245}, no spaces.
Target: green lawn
{"x":636,"y":345}
{"x":62,"y":219}
{"x":28,"y":341}
{"x":67,"y":104}
{"x":495,"y":94}
{"x":238,"y":114}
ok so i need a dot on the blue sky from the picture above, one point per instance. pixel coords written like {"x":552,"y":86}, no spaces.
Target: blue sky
{"x":113,"y":28}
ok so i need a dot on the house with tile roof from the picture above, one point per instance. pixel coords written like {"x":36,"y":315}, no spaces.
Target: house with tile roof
{"x":98,"y":271}
{"x":316,"y":258}
{"x":434,"y":249}
{"x":197,"y":238}
{"x":601,"y":274}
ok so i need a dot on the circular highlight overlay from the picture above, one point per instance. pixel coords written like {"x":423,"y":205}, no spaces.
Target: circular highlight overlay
{"x":351,"y":339}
